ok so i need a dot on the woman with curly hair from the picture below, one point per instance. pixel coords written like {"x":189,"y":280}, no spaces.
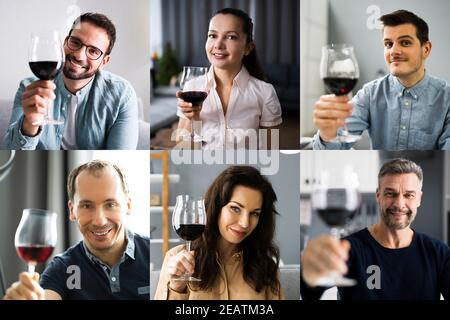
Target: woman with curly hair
{"x":236,"y":257}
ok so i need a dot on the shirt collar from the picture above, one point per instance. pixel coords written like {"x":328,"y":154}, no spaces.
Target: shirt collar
{"x":129,"y":250}
{"x":240,"y":80}
{"x":416,"y":91}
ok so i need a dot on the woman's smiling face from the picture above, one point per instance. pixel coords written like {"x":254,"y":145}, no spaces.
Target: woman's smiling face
{"x":240,"y":216}
{"x":227,"y":43}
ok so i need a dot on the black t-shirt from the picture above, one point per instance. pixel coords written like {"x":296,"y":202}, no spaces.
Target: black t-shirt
{"x":419,"y":271}
{"x":77,"y":275}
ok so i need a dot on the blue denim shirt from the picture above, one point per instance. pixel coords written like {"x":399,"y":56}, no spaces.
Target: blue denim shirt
{"x":399,"y":118}
{"x":106,"y":116}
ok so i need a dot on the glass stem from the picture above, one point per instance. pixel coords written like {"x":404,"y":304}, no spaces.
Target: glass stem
{"x":31,"y":268}
{"x":188,"y":245}
{"x":335,"y":232}
{"x":192,"y":129}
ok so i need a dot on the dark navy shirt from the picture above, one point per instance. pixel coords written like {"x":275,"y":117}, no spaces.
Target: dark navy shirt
{"x":419,"y":271}
{"x":78,"y":275}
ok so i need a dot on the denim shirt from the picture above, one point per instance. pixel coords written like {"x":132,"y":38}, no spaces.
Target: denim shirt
{"x":106,"y":116}
{"x":399,"y":118}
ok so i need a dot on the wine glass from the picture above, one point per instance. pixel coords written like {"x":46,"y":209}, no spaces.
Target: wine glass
{"x":36,"y":236}
{"x":339,"y":71}
{"x":188,"y":221}
{"x":194,"y":85}
{"x":46,"y":61}
{"x":336,"y":199}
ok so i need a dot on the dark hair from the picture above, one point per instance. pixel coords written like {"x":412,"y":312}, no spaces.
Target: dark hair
{"x":400,"y":166}
{"x":94,"y":167}
{"x":101,"y":21}
{"x":401,"y":17}
{"x":259,"y":253}
{"x":250,"y":61}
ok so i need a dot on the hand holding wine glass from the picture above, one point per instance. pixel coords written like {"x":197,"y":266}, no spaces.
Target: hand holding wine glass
{"x":46,"y":60}
{"x":194,"y":84}
{"x":336,"y":199}
{"x":188,"y":221}
{"x":339,"y":71}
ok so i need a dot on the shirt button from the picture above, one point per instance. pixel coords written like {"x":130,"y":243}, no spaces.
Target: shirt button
{"x":406,"y":103}
{"x":68,"y":96}
{"x":403,"y":127}
{"x":415,"y":97}
{"x":113,"y":279}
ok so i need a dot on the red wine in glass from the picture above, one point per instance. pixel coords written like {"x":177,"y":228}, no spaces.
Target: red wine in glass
{"x":194,"y":84}
{"x":45,"y":70}
{"x":46,"y":60}
{"x":35,"y":236}
{"x":189,"y":221}
{"x":340,"y":86}
{"x":194,"y":97}
{"x":339,"y":71}
{"x":34,"y":253}
{"x":190,"y":232}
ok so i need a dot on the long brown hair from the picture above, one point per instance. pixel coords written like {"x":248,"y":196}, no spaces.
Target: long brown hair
{"x":260,"y":254}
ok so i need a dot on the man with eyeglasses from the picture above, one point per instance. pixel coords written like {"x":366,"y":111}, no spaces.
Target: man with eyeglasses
{"x":99,"y":108}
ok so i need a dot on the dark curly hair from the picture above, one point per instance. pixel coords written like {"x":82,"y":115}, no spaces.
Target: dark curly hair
{"x":260,"y":254}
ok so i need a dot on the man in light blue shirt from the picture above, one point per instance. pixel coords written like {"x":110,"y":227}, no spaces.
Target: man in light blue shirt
{"x":407,"y":109}
{"x":99,"y":109}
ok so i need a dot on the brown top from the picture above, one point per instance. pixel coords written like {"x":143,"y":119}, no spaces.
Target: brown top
{"x":229,"y":285}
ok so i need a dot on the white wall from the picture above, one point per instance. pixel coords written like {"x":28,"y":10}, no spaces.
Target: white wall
{"x":313,"y":35}
{"x":130,"y":56}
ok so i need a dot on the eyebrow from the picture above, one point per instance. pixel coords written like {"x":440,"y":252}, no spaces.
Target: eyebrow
{"x":242,"y":206}
{"x":224,"y":32}
{"x":107,"y":200}
{"x":393,"y":190}
{"x":400,"y":38}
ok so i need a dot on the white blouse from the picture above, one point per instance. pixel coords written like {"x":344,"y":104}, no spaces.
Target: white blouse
{"x":253,"y":104}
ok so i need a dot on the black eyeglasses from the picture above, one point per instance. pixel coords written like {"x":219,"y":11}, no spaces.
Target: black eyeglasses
{"x":75,"y":44}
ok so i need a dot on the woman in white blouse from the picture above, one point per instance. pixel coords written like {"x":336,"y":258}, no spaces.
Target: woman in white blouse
{"x":239,"y":102}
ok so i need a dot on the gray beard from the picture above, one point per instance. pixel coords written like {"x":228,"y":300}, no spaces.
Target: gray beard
{"x":386,"y":217}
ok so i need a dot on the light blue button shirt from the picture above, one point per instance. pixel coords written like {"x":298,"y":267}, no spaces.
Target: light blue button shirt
{"x":399,"y":118}
{"x":106,"y":116}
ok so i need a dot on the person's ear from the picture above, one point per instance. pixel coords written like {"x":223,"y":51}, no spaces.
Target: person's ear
{"x":129,"y":206}
{"x":248,"y":48}
{"x":377,"y":195}
{"x":426,"y":49}
{"x":105,"y":61}
{"x":72,"y":216}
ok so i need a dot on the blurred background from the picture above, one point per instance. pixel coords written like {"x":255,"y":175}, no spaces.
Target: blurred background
{"x":37,"y":179}
{"x":129,"y":57}
{"x":178,"y":36}
{"x":354,"y":22}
